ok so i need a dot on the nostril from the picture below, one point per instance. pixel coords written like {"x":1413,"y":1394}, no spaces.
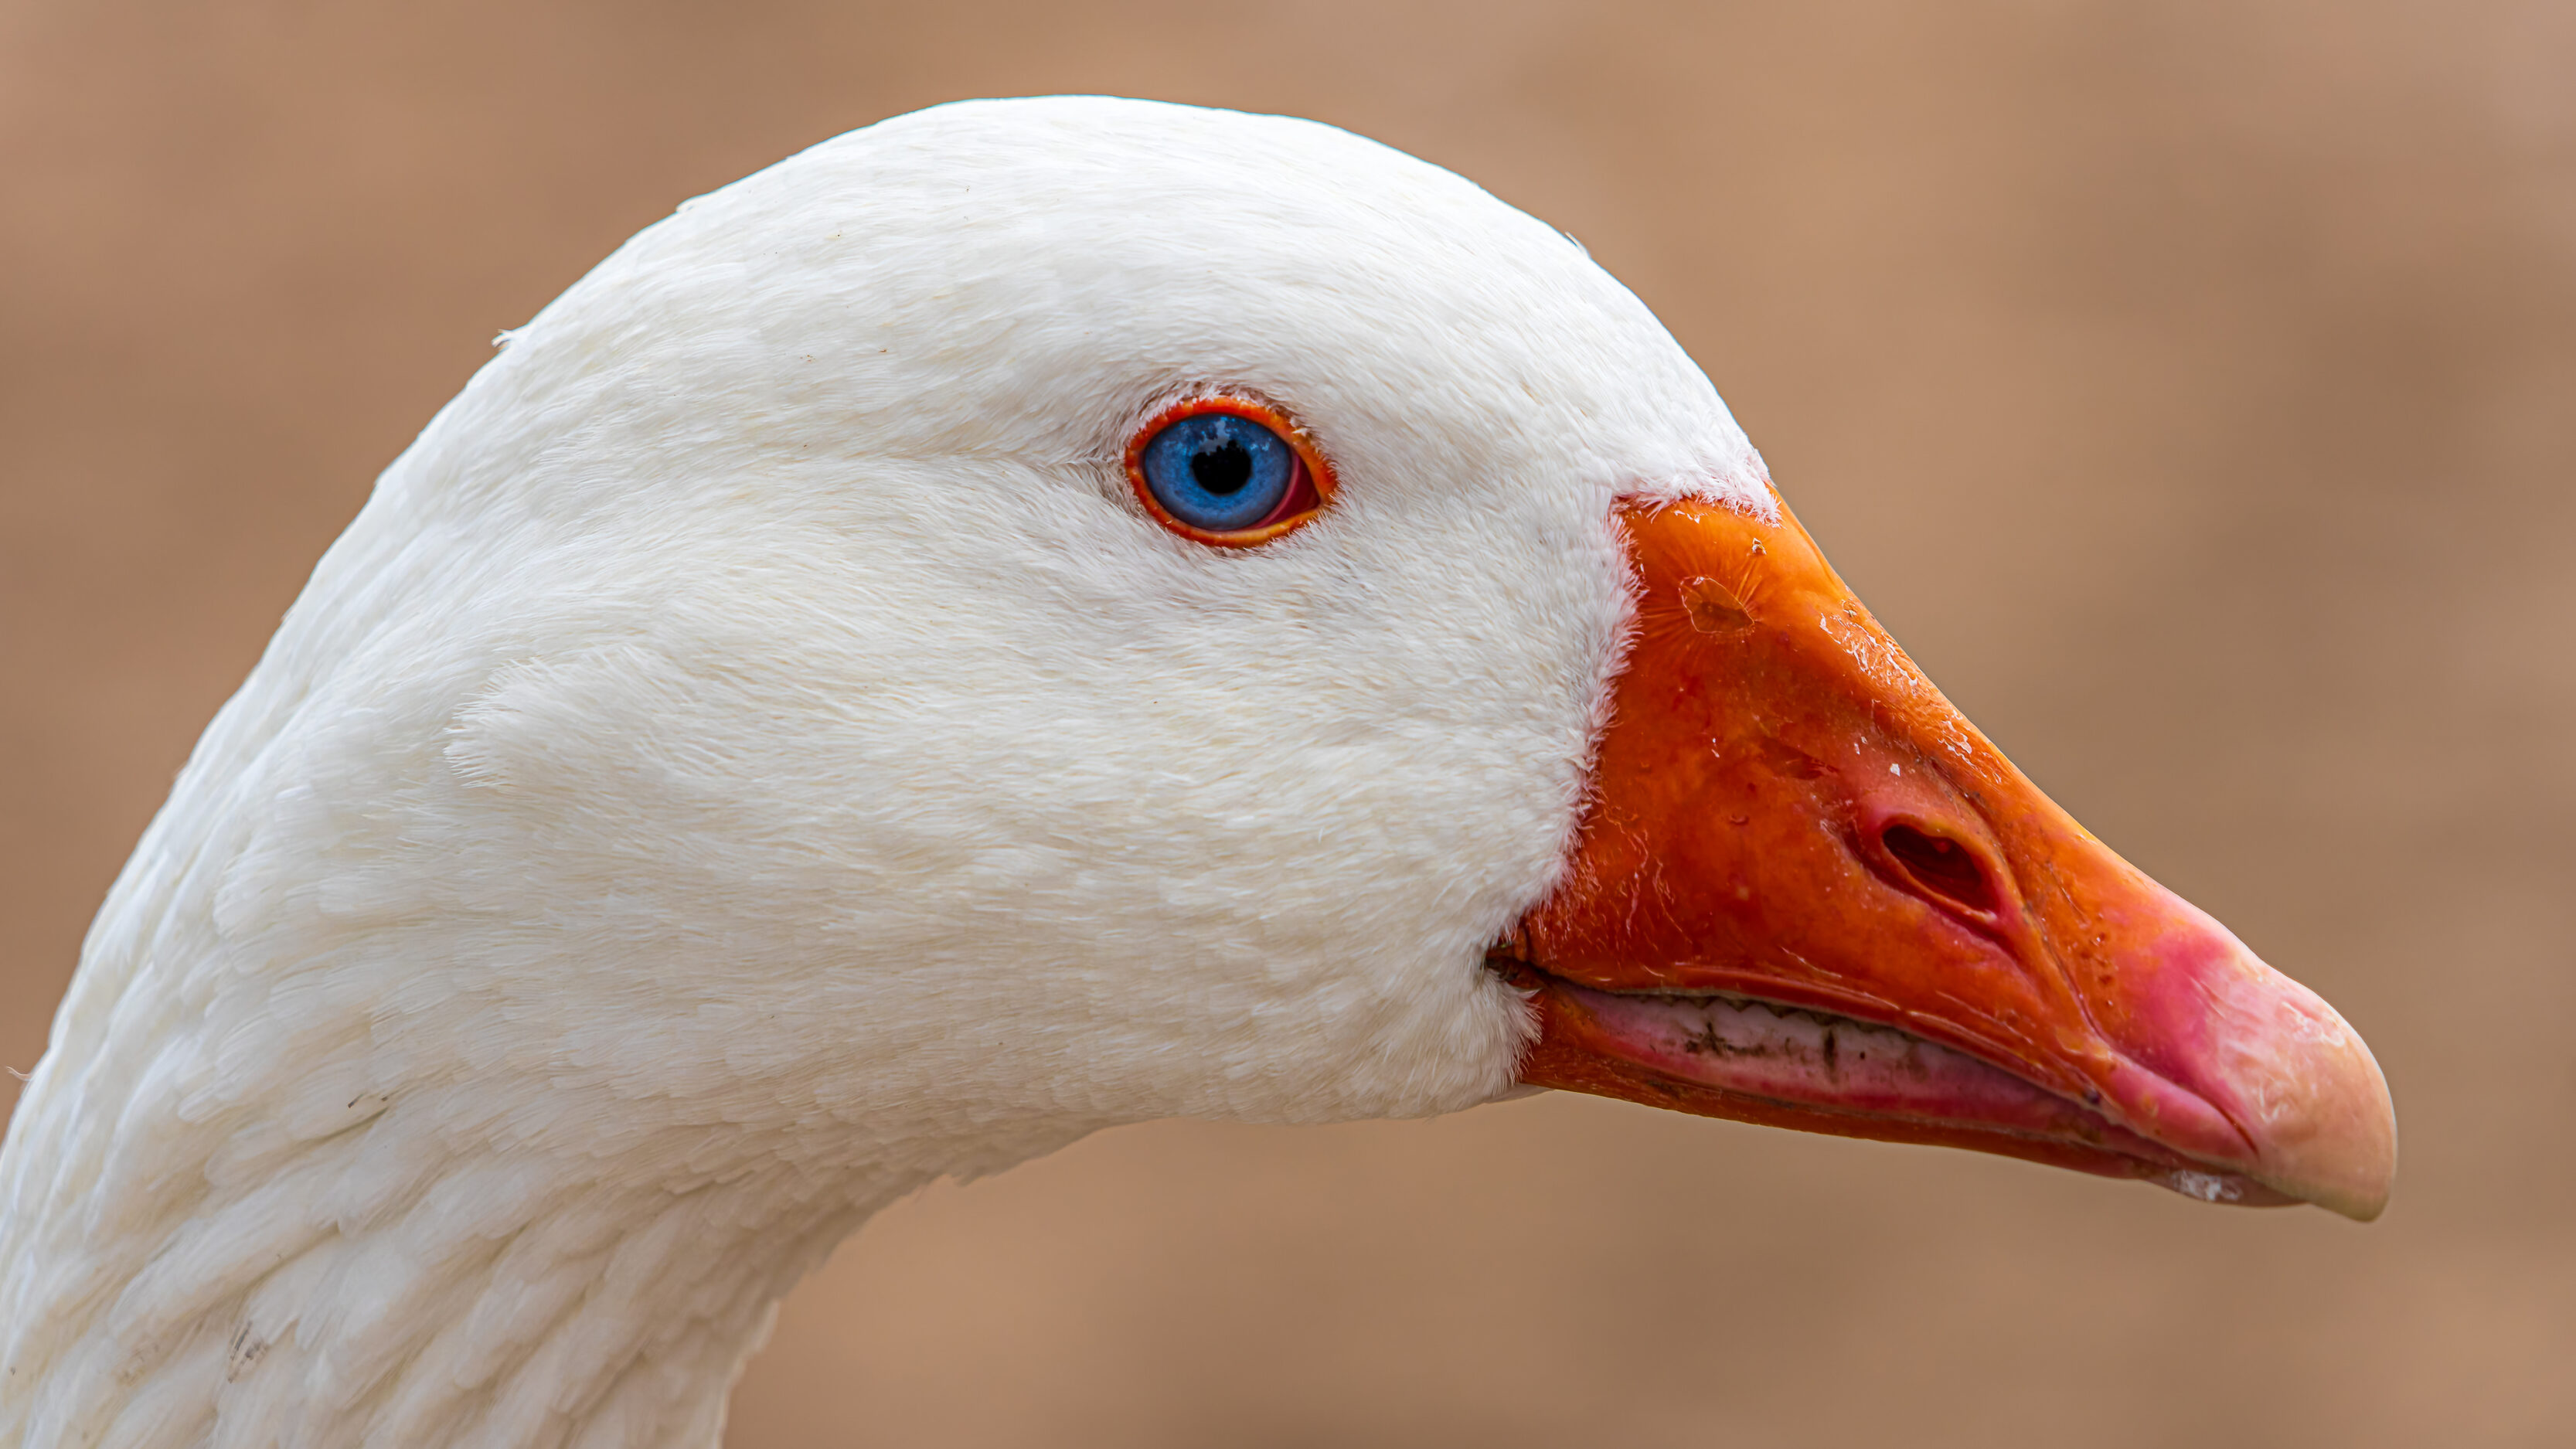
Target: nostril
{"x":1941,"y":866}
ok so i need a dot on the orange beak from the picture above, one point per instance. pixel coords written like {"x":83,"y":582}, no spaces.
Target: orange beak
{"x":1810,"y":893}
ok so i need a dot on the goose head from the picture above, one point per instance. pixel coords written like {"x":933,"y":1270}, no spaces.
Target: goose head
{"x":788,"y":729}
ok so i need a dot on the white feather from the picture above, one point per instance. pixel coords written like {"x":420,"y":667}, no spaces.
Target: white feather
{"x":752,"y":755}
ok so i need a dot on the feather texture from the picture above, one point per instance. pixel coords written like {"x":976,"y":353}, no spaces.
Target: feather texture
{"x":752,"y":756}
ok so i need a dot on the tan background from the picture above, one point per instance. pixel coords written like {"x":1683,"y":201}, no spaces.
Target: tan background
{"x":2192,"y":386}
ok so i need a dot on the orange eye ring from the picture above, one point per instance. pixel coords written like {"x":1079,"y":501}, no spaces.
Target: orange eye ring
{"x":1309,"y":490}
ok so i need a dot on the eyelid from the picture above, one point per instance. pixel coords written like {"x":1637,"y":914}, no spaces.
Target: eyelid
{"x":1313,"y":469}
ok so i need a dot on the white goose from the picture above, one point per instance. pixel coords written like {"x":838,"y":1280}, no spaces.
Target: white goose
{"x":1030,"y":616}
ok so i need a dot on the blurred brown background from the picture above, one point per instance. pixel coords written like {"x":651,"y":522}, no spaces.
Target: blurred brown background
{"x":2192,"y":386}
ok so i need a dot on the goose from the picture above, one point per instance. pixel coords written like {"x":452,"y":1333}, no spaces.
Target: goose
{"x":1032,"y":616}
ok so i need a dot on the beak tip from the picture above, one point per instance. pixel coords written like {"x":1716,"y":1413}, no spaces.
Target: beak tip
{"x":2324,"y":1124}
{"x":2310,"y":1111}
{"x":2349,"y":1163}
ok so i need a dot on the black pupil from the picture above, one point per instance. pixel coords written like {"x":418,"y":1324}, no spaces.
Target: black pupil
{"x":1221,"y":467}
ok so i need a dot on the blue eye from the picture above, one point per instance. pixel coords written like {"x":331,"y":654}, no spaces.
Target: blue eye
{"x":1219,"y":473}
